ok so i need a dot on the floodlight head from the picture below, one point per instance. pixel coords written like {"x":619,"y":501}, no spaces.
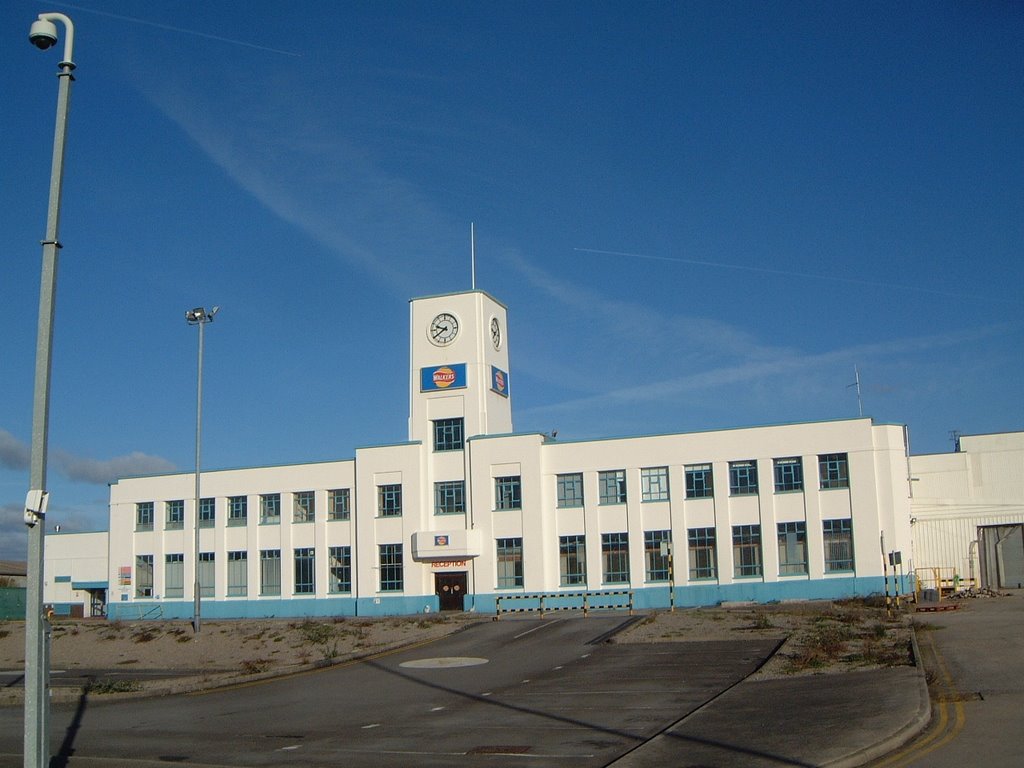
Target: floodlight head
{"x":43,"y":34}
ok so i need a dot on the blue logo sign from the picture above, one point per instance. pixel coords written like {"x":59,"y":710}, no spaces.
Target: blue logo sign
{"x":443,"y":377}
{"x":499,"y":381}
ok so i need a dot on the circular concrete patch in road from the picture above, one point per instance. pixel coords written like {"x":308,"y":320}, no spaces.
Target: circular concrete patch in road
{"x":444,"y":662}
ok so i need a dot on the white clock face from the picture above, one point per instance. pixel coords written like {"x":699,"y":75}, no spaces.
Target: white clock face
{"x":443,"y":329}
{"x":495,"y":333}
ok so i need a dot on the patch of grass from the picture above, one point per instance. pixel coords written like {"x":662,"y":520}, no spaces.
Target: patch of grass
{"x":761,"y":621}
{"x":324,"y":637}
{"x":112,"y":686}
{"x":182,"y":639}
{"x":255,"y":666}
{"x":4,"y":633}
{"x":145,"y":636}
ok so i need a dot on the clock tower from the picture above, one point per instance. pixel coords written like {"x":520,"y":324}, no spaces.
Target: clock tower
{"x":458,"y":365}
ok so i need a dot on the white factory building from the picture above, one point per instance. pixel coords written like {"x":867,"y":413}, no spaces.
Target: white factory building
{"x":466,"y":511}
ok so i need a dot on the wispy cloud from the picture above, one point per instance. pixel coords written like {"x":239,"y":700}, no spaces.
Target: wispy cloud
{"x":13,"y":536}
{"x":14,"y":454}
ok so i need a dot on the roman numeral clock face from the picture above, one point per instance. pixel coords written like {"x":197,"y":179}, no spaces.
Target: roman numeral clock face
{"x":443,"y":329}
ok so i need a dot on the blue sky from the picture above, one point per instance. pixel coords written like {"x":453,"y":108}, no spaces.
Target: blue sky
{"x":701,"y":215}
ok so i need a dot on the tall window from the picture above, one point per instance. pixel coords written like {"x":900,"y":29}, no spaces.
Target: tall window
{"x":338,"y":504}
{"x":448,"y":435}
{"x":792,"y":548}
{"x":789,"y":474}
{"x":746,"y":550}
{"x":270,"y":571}
{"x":510,"y":563}
{"x":654,"y":484}
{"x":270,"y":509}
{"x":742,"y":478}
{"x":703,"y":552}
{"x":508,"y":492}
{"x":391,"y":577}
{"x":238,"y":510}
{"x":656,"y":554}
{"x":838,"y":545}
{"x":143,"y":576}
{"x":207,"y":574}
{"x":389,"y":500}
{"x":144,"y":516}
{"x":699,"y":481}
{"x":834,"y":470}
{"x":612,"y":486}
{"x":572,"y":558}
{"x":450,"y":497}
{"x":303,"y":507}
{"x":238,"y":574}
{"x":207,"y":513}
{"x":175,"y":511}
{"x":570,"y":490}
{"x":615,"y":558}
{"x":305,"y":571}
{"x":339,"y":571}
{"x":174,"y":575}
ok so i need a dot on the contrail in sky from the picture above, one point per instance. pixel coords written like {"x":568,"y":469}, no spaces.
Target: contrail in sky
{"x":182,"y":30}
{"x":766,"y":270}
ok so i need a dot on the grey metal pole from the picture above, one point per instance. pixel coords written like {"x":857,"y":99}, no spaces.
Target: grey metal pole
{"x":197,"y":607}
{"x":37,"y":694}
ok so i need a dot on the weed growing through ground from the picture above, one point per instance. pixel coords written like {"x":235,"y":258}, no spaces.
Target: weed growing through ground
{"x":255,"y":666}
{"x":112,"y":686}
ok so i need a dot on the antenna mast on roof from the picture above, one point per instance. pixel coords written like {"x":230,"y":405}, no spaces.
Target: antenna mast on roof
{"x":856,"y":383}
{"x":472,"y":252}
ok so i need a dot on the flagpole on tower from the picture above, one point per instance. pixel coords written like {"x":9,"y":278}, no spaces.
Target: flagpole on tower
{"x":472,"y":252}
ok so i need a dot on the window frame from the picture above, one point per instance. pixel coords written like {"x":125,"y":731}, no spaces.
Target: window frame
{"x":270,"y":565}
{"x":144,"y":512}
{"x":391,"y":559}
{"x":611,"y":484}
{"x":569,"y":490}
{"x":700,"y":481}
{"x":174,"y":579}
{"x":834,"y":540}
{"x":238,"y":511}
{"x":449,"y":434}
{"x":509,"y":562}
{"x":304,"y":571}
{"x":207,"y":512}
{"x":743,"y":480}
{"x":702,"y":554}
{"x":833,"y":471}
{"x":174,"y":515}
{"x":143,"y":577}
{"x":339,"y":504}
{"x":339,"y":569}
{"x":303,"y":506}
{"x":238,"y":573}
{"x":791,"y":537}
{"x":747,"y":555}
{"x":654,"y":485}
{"x":206,"y":574}
{"x":508,"y":493}
{"x":788,"y":474}
{"x":656,"y":564}
{"x":572,"y":560}
{"x":270,"y":509}
{"x":615,"y":558}
{"x":450,"y":497}
{"x":389,"y":500}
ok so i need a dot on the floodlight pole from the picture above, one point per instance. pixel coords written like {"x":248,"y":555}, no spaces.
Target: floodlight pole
{"x":37,"y":625}
{"x":198,"y":316}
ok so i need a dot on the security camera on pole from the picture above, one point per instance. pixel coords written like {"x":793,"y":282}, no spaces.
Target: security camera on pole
{"x":43,"y":35}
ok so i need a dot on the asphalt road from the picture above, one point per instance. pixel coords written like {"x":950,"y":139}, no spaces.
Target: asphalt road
{"x":508,"y":693}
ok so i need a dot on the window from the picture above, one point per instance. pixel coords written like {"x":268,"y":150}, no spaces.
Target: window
{"x":448,"y":435}
{"x":615,"y":558}
{"x":206,"y":513}
{"x":570,"y":490}
{"x":450,"y":498}
{"x":746,"y":550}
{"x":789,"y":474}
{"x":144,"y":516}
{"x":305,"y":571}
{"x":838,"y":545}
{"x":174,"y":575}
{"x":572,"y":559}
{"x":612,"y":486}
{"x":143,"y":576}
{"x":339,"y":570}
{"x":699,"y":481}
{"x":391,"y":579}
{"x":508,"y":493}
{"x":792,"y":549}
{"x":207,"y":574}
{"x":238,"y":510}
{"x":338,"y":504}
{"x":742,"y":478}
{"x":654,"y":484}
{"x":175,"y":515}
{"x":833,"y":470}
{"x":270,"y":509}
{"x":703,"y":553}
{"x":270,"y":572}
{"x":510,"y":563}
{"x":303,"y":507}
{"x":389,"y":500}
{"x":656,"y":555}
{"x":238,"y":574}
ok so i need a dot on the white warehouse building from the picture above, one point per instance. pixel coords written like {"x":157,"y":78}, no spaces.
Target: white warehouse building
{"x":467,"y":512}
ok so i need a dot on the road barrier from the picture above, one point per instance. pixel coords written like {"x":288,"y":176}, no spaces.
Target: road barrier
{"x":546,"y":602}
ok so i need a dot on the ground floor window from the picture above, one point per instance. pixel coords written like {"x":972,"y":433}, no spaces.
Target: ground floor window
{"x":305,"y":571}
{"x":391,"y":576}
{"x":510,"y":563}
{"x":174,"y":575}
{"x":792,"y":548}
{"x":270,"y":572}
{"x":143,"y":575}
{"x":703,"y":554}
{"x":340,"y":569}
{"x":572,"y":558}
{"x":615,"y":558}
{"x":656,"y":555}
{"x":238,"y":574}
{"x":838,"y":535}
{"x":746,"y":550}
{"x":207,"y":574}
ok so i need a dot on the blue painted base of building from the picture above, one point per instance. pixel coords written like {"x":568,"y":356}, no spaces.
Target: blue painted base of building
{"x":647,"y":598}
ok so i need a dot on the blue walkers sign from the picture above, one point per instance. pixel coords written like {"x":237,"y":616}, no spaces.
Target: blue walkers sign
{"x":499,"y":381}
{"x":443,"y":377}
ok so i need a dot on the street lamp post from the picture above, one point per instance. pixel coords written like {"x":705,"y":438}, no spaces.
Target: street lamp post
{"x":198,"y":316}
{"x":43,"y":35}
